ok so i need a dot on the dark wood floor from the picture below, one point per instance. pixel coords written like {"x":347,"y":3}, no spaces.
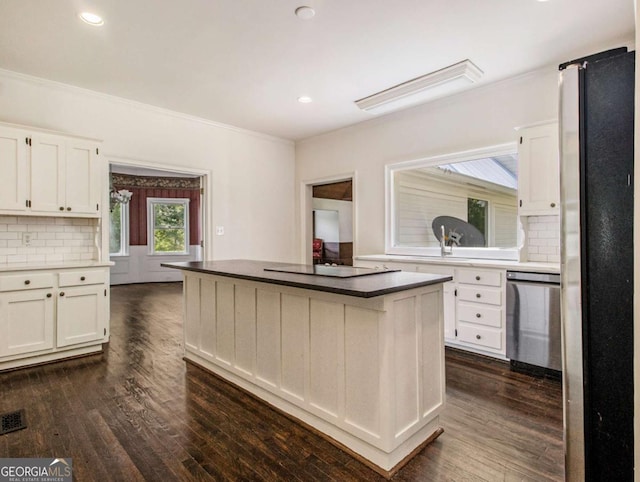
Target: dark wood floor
{"x":138,"y":412}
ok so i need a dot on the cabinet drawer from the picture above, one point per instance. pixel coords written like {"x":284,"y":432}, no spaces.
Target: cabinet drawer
{"x":481,"y":314}
{"x":480,"y":294}
{"x":478,"y":277}
{"x":480,"y":336}
{"x":78,"y":278}
{"x":14,"y":282}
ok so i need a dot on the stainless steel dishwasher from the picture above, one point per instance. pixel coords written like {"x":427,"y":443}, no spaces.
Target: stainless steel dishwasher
{"x":533,"y":322}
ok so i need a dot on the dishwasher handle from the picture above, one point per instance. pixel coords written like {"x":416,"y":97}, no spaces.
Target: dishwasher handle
{"x":549,"y":278}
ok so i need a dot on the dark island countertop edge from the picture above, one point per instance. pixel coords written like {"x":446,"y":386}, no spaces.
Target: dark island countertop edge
{"x":310,"y":286}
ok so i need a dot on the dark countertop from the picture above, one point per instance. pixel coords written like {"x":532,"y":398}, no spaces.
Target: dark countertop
{"x":378,"y":284}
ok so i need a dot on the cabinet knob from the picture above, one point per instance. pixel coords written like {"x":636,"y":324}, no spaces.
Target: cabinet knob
{"x":478,"y":295}
{"x":553,"y":205}
{"x":478,"y":278}
{"x":68,"y":209}
{"x":478,"y":337}
{"x":62,"y":293}
{"x":27,"y":282}
{"x":478,"y":315}
{"x":48,"y":295}
{"x":61,"y":208}
{"x":82,"y":278}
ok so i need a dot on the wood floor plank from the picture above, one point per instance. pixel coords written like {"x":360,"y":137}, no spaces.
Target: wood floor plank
{"x":139,"y":412}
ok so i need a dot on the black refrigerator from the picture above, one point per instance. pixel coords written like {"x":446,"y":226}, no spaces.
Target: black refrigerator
{"x":596,"y":178}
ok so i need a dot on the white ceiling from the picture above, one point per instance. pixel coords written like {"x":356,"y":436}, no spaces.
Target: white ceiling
{"x":245,"y":62}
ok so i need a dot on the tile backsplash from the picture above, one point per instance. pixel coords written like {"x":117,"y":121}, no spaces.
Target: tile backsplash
{"x":542,"y":236}
{"x":50,"y":239}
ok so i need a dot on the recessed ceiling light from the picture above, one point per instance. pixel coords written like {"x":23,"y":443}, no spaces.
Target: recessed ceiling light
{"x":305,"y":13}
{"x":92,"y":19}
{"x":305,"y":99}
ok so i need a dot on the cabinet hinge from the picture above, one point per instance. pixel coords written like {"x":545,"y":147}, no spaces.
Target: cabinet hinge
{"x":455,"y":292}
{"x":201,"y":190}
{"x":97,"y":207}
{"x":97,"y":151}
{"x":202,"y":244}
{"x":27,"y":141}
{"x":456,"y":332}
{"x":520,"y":139}
{"x":105,"y":292}
{"x":26,"y":203}
{"x":520,"y":202}
{"x":105,"y":332}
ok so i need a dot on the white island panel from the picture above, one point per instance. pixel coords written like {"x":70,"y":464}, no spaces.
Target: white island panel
{"x":269,"y":347}
{"x":225,"y":322}
{"x":245,"y":329}
{"x":406,"y":346}
{"x":324,"y":356}
{"x":362,"y":370}
{"x":295,"y":343}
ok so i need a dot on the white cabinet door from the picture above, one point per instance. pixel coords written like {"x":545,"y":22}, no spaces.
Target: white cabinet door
{"x":47,"y":169}
{"x":26,"y":321}
{"x":82,"y":181}
{"x":13,"y":166}
{"x":80,"y":314}
{"x":538,"y":170}
{"x":449,"y":305}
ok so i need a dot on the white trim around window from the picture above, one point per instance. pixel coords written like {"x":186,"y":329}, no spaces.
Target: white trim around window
{"x":124,"y":231}
{"x":152,"y":202}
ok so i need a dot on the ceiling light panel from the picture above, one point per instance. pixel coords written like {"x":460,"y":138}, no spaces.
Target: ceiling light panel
{"x":431,"y":86}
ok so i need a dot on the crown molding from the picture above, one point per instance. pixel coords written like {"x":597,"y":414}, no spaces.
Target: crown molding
{"x":60,"y":86}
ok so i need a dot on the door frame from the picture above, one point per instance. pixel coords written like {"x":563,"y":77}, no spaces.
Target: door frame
{"x":205,"y":212}
{"x":306,"y":210}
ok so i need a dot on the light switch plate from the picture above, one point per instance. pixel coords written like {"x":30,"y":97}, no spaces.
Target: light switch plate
{"x":26,"y":238}
{"x":219,"y":230}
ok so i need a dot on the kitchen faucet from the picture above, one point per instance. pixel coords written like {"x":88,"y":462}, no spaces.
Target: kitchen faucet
{"x":443,"y":248}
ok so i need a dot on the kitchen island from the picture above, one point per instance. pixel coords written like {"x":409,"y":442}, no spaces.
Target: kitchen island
{"x":355,"y":354}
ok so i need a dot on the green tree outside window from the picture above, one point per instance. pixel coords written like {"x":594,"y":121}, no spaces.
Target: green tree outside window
{"x":169,"y":225}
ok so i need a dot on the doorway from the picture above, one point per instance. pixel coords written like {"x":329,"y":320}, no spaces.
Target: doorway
{"x":163,"y":220}
{"x":330,"y":209}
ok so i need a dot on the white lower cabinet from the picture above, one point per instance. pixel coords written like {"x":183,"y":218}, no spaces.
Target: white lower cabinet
{"x":80,"y":315}
{"x":48,"y":315}
{"x":480,"y":313}
{"x":473,"y":302}
{"x":26,"y":321}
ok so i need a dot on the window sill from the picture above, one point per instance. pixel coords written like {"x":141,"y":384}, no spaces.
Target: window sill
{"x":506,"y":254}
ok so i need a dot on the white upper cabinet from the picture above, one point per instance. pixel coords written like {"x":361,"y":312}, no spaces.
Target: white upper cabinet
{"x":13,"y":162}
{"x":82,"y":179}
{"x":538,"y":170}
{"x":48,"y":174}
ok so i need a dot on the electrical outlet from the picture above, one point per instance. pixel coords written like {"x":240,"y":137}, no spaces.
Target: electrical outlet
{"x":26,"y":238}
{"x":219,"y":230}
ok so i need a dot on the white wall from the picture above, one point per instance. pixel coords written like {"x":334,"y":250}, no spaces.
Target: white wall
{"x":478,"y":118}
{"x":141,"y":267}
{"x":345,"y":215}
{"x":252,"y":174}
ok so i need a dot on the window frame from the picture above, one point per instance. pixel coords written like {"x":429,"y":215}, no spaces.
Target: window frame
{"x":151,"y":202}
{"x":391,"y":246}
{"x":124,"y":231}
